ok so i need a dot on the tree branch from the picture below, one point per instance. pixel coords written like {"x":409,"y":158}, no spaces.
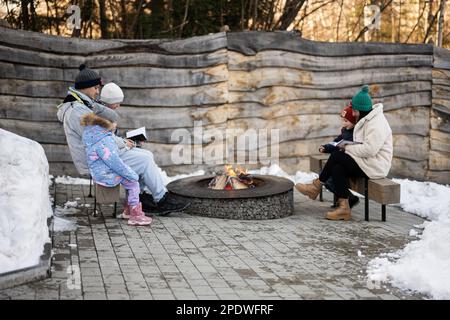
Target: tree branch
{"x":366,"y":28}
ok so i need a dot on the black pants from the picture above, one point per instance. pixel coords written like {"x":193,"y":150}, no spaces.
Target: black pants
{"x":340,"y":166}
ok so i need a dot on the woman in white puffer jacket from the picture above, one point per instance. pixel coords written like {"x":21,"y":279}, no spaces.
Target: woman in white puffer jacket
{"x":370,"y":156}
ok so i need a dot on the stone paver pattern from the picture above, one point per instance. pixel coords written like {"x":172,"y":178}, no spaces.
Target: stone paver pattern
{"x":189,"y":257}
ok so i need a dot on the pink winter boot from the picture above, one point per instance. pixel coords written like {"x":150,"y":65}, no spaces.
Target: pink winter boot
{"x":137,"y":216}
{"x":126,"y":211}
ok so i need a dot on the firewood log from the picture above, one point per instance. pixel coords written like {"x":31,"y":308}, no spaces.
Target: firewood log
{"x":219,"y":182}
{"x":236,"y":184}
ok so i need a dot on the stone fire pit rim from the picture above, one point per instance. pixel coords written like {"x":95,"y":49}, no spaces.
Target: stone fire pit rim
{"x":194,"y":187}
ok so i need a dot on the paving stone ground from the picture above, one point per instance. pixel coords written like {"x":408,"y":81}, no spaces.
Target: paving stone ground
{"x":183,"y":256}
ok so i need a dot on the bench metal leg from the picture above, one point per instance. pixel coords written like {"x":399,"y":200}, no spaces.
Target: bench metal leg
{"x":90,"y":187}
{"x":321,"y":187}
{"x":115,"y":210}
{"x":383,"y":212}
{"x":366,"y":199}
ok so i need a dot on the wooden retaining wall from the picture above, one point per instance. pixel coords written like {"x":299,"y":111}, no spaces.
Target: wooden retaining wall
{"x":246,"y":80}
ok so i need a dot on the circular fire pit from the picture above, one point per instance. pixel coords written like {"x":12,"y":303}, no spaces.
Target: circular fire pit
{"x":272,"y":197}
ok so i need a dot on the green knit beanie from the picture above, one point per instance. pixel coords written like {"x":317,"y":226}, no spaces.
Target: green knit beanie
{"x":362,"y":101}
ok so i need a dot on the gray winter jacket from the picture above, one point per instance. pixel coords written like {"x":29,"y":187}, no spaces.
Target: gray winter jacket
{"x":69,"y":114}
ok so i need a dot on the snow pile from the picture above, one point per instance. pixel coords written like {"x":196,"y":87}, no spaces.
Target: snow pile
{"x":168,"y":179}
{"x":275,"y":170}
{"x":426,"y":199}
{"x":24,"y":202}
{"x":423,"y":265}
{"x":70,"y":180}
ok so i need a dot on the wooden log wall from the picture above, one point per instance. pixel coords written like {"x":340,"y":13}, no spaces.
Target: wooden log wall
{"x":246,"y":80}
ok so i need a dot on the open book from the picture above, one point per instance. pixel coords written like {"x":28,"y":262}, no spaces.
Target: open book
{"x":137,"y":135}
{"x":342,"y":143}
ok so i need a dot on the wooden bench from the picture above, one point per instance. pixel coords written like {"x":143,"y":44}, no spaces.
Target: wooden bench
{"x":384,"y":191}
{"x":104,"y":195}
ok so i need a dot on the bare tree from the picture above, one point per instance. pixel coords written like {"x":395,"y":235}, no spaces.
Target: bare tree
{"x":25,"y":18}
{"x":366,"y":28}
{"x":103,"y":19}
{"x":441,"y":22}
{"x":290,"y":12}
{"x":418,"y":21}
{"x":339,"y":19}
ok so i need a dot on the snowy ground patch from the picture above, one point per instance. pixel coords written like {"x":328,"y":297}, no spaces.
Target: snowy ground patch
{"x":424,"y":264}
{"x":24,"y":202}
{"x":71,"y":180}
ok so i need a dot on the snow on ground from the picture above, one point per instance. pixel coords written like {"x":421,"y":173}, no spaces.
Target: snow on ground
{"x":24,"y":202}
{"x":61,"y":224}
{"x":275,"y":170}
{"x":424,"y":264}
{"x":168,"y":179}
{"x":71,"y":180}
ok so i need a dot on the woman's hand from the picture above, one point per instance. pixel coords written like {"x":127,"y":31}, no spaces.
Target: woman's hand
{"x":321,"y":149}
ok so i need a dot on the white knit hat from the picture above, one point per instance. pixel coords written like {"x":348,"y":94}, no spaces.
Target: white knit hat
{"x":111,"y":93}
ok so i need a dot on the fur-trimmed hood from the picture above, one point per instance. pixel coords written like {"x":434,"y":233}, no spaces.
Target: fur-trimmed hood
{"x":92,"y":119}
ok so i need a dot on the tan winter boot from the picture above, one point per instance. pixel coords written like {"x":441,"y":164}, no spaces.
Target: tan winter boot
{"x":311,"y":190}
{"x":342,"y":212}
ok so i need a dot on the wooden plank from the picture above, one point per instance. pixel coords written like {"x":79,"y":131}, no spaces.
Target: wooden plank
{"x":317,"y":162}
{"x":409,"y":120}
{"x":278,"y":76}
{"x":42,"y":132}
{"x":412,"y":147}
{"x":251,"y":42}
{"x":148,"y":59}
{"x":174,"y":97}
{"x":384,"y":191}
{"x":441,"y":74}
{"x":326,"y":106}
{"x":278,"y":94}
{"x":439,"y":120}
{"x":284,"y":59}
{"x":403,"y":168}
{"x":439,"y":176}
{"x":439,"y":141}
{"x":42,"y":109}
{"x":25,"y":108}
{"x":439,"y":160}
{"x":57,"y":152}
{"x":77,"y":46}
{"x":441,"y":58}
{"x":63,"y":169}
{"x":292,"y":127}
{"x":292,"y":165}
{"x":127,"y":77}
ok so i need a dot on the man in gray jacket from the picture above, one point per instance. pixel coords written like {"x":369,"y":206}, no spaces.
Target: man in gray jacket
{"x":81,"y":100}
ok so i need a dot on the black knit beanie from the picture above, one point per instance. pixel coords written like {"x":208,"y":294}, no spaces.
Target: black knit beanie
{"x":87,"y":78}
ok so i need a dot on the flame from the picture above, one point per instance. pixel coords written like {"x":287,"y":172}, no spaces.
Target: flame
{"x":231,"y":172}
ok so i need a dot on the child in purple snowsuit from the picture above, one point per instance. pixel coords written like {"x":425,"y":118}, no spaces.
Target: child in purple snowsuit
{"x":106,"y":167}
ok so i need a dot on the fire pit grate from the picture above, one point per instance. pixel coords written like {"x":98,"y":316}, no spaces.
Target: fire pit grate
{"x":271,"y":198}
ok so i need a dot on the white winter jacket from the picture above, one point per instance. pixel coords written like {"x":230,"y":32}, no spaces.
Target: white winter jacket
{"x":374,"y":155}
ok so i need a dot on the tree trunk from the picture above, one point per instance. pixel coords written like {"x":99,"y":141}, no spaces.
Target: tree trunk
{"x":24,"y":14}
{"x":291,"y":11}
{"x":103,"y":20}
{"x":441,"y":22}
{"x":123,"y":9}
{"x":34,"y":25}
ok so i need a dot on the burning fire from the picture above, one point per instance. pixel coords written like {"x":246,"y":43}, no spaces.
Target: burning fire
{"x":232,"y":179}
